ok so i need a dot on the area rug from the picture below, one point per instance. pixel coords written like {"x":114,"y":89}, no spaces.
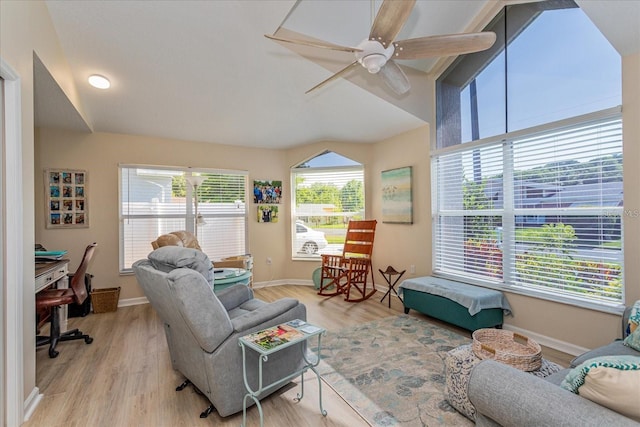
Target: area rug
{"x":391,"y":371}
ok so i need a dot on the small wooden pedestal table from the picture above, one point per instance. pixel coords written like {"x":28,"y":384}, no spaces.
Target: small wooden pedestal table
{"x":388,"y":277}
{"x":308,"y":331}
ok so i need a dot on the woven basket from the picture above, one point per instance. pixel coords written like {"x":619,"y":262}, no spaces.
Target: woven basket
{"x":507,"y":347}
{"x":105,"y":300}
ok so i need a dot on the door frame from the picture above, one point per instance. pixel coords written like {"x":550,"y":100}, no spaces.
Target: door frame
{"x":11,"y":345}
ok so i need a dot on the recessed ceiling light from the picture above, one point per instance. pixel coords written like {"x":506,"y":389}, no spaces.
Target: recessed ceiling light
{"x":98,"y":81}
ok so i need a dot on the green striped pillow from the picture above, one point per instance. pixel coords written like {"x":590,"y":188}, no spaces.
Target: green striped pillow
{"x":575,"y":379}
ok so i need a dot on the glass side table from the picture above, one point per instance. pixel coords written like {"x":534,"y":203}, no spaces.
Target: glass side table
{"x":305,"y":333}
{"x":225,"y":277}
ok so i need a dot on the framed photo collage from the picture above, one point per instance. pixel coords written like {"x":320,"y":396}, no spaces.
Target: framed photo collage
{"x":66,"y":198}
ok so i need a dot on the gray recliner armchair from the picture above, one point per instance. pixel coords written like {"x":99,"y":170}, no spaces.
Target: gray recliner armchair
{"x":202,"y":328}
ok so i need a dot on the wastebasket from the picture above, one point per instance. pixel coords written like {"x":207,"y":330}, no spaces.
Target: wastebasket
{"x":105,"y":300}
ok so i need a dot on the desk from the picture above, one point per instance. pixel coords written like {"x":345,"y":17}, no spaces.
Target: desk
{"x":50,"y":273}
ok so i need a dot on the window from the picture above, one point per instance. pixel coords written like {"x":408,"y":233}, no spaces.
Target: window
{"x":528,"y":160}
{"x":328,"y":191}
{"x":157,"y":200}
{"x":554,"y":65}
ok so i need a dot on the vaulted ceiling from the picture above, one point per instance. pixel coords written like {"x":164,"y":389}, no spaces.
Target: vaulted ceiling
{"x":203,"y":70}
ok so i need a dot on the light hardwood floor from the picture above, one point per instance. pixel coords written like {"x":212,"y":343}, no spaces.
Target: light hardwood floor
{"x":125,"y":377}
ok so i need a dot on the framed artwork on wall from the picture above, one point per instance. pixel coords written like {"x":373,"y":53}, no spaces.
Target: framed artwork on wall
{"x":267,"y":191}
{"x":267,"y":213}
{"x":66,"y":198}
{"x":397,"y":202}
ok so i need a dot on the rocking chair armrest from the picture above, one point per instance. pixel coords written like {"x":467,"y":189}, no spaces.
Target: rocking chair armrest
{"x":336,"y":262}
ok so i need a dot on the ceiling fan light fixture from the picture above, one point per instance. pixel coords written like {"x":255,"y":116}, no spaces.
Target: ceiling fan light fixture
{"x":373,"y":63}
{"x":373,"y":55}
{"x":99,"y":82}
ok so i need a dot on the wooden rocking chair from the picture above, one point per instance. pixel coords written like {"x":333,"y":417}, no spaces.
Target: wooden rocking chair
{"x":347,"y":273}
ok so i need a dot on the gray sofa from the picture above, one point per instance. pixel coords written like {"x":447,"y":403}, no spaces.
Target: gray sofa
{"x":506,"y":396}
{"x":202,"y":328}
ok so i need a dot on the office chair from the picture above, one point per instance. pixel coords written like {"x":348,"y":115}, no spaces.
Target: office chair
{"x":54,"y":298}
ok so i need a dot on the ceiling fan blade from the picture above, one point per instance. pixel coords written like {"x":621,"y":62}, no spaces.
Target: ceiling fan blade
{"x":390,"y":19}
{"x":333,"y":77}
{"x":395,"y":78}
{"x":321,"y":45}
{"x":447,"y":45}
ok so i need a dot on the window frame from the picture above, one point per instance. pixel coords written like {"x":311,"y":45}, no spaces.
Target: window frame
{"x":188,"y":215}
{"x":297,"y":171}
{"x":509,"y":213}
{"x":452,"y":134}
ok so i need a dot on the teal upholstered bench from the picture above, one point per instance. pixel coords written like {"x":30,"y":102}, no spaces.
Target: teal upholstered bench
{"x":467,"y":306}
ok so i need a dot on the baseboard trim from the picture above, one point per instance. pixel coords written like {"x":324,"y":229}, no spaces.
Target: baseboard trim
{"x":31,"y":403}
{"x":553,"y":343}
{"x":297,"y":282}
{"x":143,"y":300}
{"x":133,"y":301}
{"x":301,"y":282}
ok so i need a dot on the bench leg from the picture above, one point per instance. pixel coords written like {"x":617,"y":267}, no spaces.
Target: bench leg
{"x":406,"y":310}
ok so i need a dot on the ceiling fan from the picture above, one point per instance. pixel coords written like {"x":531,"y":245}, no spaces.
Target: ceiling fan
{"x":378,"y":52}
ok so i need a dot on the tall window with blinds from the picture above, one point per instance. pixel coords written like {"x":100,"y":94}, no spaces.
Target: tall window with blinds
{"x":528,"y":160}
{"x":542,"y":212}
{"x":328,"y":191}
{"x":156,"y":200}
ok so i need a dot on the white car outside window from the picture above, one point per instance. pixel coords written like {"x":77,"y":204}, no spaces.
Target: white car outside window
{"x":308,"y":240}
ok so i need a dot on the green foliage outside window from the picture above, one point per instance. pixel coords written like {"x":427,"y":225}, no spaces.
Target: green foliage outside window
{"x":319,"y":193}
{"x":216,"y":188}
{"x":550,"y":257}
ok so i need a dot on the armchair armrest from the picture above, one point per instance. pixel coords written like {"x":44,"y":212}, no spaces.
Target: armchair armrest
{"x":263,"y":314}
{"x":234,"y":296}
{"x":508,"y":396}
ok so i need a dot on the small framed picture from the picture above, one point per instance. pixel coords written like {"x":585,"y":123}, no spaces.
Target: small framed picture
{"x":267,"y":213}
{"x":267,"y":192}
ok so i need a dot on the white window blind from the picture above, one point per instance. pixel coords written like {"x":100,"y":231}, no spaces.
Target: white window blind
{"x":324,"y":200}
{"x":539,"y":211}
{"x":157,"y":200}
{"x":469,"y":214}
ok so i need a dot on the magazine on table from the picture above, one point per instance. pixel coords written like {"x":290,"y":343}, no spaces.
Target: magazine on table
{"x":309,"y":329}
{"x":296,"y":323}
{"x":273,"y":337}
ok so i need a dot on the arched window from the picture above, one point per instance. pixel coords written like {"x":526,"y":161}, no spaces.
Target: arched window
{"x":328,"y":191}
